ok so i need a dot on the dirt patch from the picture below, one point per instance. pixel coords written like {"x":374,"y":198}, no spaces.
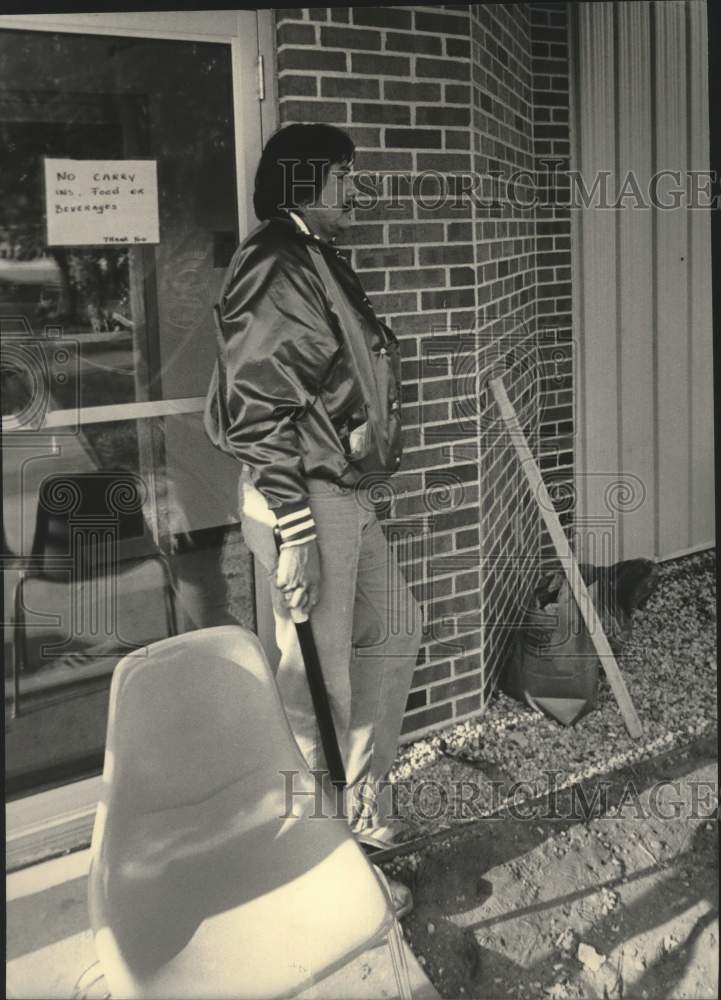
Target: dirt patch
{"x":597,"y":894}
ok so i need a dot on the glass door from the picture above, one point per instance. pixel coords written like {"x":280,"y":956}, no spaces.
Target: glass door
{"x":118,"y":216}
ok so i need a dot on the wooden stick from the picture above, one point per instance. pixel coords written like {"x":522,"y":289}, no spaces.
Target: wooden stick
{"x":568,"y":560}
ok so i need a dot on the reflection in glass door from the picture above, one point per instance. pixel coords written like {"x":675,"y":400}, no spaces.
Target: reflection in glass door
{"x":112,"y":536}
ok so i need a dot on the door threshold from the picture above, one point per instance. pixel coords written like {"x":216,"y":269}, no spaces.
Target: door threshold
{"x":50,"y":823}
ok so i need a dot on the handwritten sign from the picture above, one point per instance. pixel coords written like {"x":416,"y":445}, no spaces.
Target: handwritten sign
{"x":99,"y":202}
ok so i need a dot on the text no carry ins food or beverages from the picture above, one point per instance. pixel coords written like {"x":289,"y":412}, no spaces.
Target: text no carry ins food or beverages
{"x":101,"y":202}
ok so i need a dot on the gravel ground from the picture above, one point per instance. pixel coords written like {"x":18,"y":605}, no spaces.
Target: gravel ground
{"x":670,"y":669}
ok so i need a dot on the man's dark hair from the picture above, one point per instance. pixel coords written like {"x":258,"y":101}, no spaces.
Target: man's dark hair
{"x":295,"y":165}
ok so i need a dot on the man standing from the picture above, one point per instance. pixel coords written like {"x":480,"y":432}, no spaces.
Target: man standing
{"x":294,"y":413}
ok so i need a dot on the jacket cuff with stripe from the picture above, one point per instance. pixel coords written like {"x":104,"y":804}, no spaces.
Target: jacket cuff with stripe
{"x":295,"y":523}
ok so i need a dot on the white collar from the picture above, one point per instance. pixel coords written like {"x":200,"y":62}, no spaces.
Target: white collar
{"x":302,"y":225}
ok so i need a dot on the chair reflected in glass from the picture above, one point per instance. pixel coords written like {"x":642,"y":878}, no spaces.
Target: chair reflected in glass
{"x":95,"y":586}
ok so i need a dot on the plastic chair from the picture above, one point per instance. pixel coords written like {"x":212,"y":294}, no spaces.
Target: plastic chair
{"x":88,"y":526}
{"x":203,"y":882}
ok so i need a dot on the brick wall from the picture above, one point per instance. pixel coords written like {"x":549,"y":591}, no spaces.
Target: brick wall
{"x":448,"y":92}
{"x":549,"y":27}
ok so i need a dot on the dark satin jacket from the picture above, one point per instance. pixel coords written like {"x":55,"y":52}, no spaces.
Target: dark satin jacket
{"x":291,"y":394}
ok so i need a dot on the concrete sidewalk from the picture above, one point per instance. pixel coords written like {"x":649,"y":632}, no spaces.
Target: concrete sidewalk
{"x":50,"y":952}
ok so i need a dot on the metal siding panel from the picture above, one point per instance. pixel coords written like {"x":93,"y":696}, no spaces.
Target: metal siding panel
{"x":599,"y":402}
{"x":702,"y":519}
{"x":672,"y":301}
{"x":577,"y":271}
{"x":636,"y":333}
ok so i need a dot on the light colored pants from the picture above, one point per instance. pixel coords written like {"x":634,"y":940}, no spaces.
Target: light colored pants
{"x":367,"y":628}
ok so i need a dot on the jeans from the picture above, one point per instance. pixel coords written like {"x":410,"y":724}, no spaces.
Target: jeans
{"x":367,"y":628}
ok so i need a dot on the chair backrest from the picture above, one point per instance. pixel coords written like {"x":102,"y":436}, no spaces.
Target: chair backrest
{"x":205,"y":878}
{"x":195,"y":823}
{"x":194,"y":714}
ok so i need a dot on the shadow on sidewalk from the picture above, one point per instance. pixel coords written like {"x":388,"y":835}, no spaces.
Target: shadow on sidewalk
{"x":487,"y":919}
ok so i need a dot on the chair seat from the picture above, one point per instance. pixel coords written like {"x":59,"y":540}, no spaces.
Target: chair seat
{"x":274,"y":944}
{"x":150,"y":849}
{"x":190,"y":833}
